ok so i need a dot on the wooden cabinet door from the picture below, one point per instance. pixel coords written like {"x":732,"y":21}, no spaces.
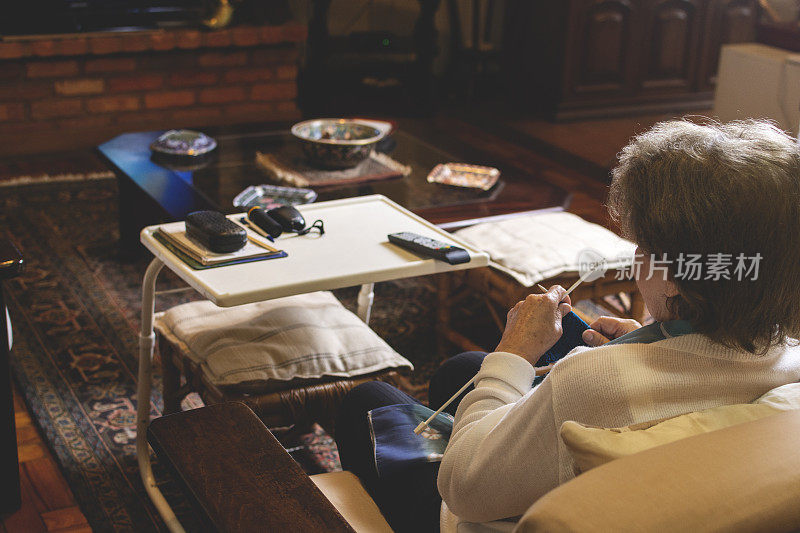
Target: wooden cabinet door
{"x":671,"y":47}
{"x":601,"y":52}
{"x":728,"y":21}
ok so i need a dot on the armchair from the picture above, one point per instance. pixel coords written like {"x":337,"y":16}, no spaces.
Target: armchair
{"x":743,"y":478}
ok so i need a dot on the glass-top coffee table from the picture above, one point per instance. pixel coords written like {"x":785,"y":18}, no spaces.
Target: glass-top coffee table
{"x":151,"y":193}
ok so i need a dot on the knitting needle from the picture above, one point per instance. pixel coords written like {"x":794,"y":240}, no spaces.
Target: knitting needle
{"x":537,"y":370}
{"x":422,"y":425}
{"x":580,"y":280}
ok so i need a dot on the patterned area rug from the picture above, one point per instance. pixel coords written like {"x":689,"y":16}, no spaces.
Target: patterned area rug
{"x":75,"y":313}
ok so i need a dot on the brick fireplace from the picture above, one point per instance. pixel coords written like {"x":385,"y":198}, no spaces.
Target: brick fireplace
{"x":75,"y":92}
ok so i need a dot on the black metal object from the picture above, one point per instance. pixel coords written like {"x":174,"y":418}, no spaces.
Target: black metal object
{"x":44,"y":17}
{"x":474,"y":65}
{"x":369,"y":72}
{"x":11,"y":264}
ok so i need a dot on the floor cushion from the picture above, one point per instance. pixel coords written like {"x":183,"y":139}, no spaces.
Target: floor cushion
{"x":305,"y":337}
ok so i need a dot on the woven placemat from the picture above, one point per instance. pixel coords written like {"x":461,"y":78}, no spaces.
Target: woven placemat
{"x":291,"y":167}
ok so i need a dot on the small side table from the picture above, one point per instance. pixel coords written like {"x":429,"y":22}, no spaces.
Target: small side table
{"x":11,"y":264}
{"x":354,"y":251}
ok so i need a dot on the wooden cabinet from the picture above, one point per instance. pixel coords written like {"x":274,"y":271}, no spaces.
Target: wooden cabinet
{"x":669,"y":45}
{"x":598,"y":57}
{"x":729,"y":21}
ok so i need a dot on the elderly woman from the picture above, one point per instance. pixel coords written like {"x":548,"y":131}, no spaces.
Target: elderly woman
{"x":715,"y":211}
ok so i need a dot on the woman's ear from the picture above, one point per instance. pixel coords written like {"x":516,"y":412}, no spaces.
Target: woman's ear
{"x":670,"y":289}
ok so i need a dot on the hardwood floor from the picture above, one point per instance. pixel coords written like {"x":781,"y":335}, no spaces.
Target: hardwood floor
{"x":590,"y":146}
{"x":597,"y":141}
{"x":47,"y":502}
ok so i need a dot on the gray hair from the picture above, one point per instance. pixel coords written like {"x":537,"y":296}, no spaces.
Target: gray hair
{"x":732,"y":188}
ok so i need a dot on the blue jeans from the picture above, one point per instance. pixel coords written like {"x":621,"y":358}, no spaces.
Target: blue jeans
{"x":409,"y":501}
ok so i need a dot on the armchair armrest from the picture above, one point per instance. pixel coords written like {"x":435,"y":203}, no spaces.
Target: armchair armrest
{"x":238,"y":473}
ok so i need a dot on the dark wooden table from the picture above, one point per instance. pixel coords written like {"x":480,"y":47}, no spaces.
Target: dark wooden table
{"x":11,"y":264}
{"x":152,"y":193}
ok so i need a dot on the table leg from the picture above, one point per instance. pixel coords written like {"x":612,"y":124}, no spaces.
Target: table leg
{"x":9,"y":463}
{"x":365,"y":299}
{"x":444,"y":288}
{"x":146,"y":344}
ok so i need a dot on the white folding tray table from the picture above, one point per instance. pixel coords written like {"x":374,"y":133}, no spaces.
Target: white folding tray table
{"x":354,"y":250}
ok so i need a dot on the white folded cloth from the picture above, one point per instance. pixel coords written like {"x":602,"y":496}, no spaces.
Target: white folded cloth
{"x":531,"y":248}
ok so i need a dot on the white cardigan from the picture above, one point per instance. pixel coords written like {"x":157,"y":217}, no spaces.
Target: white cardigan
{"x":505,"y":452}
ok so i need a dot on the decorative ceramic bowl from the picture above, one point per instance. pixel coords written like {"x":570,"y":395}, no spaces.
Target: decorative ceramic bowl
{"x":338,"y":142}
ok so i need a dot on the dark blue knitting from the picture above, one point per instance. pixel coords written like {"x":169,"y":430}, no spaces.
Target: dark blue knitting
{"x":572,"y":327}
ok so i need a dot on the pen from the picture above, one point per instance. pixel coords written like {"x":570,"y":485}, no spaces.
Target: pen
{"x":264,"y":245}
{"x":258,"y":242}
{"x":244,"y":221}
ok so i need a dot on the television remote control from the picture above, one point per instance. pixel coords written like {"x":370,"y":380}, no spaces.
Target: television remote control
{"x":430,"y":247}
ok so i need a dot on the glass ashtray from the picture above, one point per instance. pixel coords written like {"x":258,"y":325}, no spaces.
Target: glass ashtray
{"x":465,"y":175}
{"x":269,"y":196}
{"x":183,"y":143}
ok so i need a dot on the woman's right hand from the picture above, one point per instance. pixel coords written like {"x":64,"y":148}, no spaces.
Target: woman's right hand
{"x":608,"y":328}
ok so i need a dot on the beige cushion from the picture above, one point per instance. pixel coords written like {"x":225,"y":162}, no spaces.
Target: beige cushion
{"x":306,"y":336}
{"x":558,"y":239}
{"x":346,"y":493}
{"x":448,"y":522}
{"x":592,"y":446}
{"x":744,"y":478}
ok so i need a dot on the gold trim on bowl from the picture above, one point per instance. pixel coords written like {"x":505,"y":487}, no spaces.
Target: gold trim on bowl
{"x":321,"y":122}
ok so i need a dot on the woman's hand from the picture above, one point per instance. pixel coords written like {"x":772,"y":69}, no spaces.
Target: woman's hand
{"x":607,"y":328}
{"x":534,"y":324}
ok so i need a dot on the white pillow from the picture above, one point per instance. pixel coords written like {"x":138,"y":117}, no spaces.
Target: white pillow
{"x":307,"y":336}
{"x":592,"y":446}
{"x":535,"y":247}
